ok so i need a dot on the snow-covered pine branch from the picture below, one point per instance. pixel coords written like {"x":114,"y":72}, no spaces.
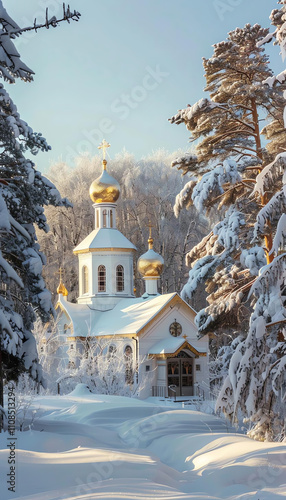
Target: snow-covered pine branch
{"x":210,"y":186}
{"x":267,"y":179}
{"x":256,"y":378}
{"x":11,"y":65}
{"x":230,"y":260}
{"x":270,"y":213}
{"x":184,"y":198}
{"x":278,"y":19}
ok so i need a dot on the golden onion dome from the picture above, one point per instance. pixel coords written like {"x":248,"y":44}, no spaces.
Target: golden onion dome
{"x":105,"y":189}
{"x":62,"y":289}
{"x":150,"y":264}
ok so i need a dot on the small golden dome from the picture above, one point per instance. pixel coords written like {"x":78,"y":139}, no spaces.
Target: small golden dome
{"x":150,"y":264}
{"x":62,"y":289}
{"x":105,"y":189}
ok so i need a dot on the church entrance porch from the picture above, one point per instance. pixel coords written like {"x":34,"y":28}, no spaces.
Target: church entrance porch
{"x":180,"y":374}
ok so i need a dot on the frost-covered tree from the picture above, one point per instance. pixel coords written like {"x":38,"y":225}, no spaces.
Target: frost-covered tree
{"x":256,"y":383}
{"x":23,"y":194}
{"x":224,"y":165}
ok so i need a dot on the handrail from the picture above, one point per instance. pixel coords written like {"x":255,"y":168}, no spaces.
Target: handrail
{"x":173,"y":388}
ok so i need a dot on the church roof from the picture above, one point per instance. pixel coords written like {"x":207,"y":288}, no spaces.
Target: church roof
{"x":129,"y":316}
{"x":172,"y":344}
{"x":104,"y":238}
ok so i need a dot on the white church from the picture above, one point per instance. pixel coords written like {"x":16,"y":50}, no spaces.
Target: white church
{"x":156,"y":333}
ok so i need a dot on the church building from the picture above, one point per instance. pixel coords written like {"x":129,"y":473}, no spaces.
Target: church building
{"x":156,"y":333}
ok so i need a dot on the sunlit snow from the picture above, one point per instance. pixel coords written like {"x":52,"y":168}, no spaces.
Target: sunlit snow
{"x":109,"y":447}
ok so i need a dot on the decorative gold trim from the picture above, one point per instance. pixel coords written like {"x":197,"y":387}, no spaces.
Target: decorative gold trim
{"x":115,"y":335}
{"x":91,"y":250}
{"x":70,"y":325}
{"x":185,"y":345}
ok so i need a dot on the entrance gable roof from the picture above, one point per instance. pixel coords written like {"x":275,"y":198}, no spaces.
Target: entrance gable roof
{"x":171,"y":347}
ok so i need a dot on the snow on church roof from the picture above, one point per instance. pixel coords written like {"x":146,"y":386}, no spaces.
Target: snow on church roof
{"x":171,"y":344}
{"x":104,"y":238}
{"x":128,"y":316}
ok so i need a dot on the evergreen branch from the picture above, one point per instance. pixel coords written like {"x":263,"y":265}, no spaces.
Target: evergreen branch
{"x":269,"y":325}
{"x":249,"y":149}
{"x":53,"y":21}
{"x":231,"y":132}
{"x":234,"y":117}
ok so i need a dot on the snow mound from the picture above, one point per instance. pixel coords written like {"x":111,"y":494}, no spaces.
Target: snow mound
{"x":80,"y":390}
{"x":88,"y":446}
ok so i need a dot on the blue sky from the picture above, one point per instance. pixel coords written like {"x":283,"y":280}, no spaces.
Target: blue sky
{"x":122,"y":71}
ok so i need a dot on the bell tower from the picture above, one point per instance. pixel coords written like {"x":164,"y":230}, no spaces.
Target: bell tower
{"x":105,"y":255}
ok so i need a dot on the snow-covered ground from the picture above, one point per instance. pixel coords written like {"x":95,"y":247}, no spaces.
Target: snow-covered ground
{"x":86,"y":446}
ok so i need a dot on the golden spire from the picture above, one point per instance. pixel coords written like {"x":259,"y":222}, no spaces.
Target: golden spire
{"x":150,"y":239}
{"x":61,"y":288}
{"x":104,"y":145}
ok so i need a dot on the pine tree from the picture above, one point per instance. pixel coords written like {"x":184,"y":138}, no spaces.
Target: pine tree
{"x":224,"y":165}
{"x":23,"y":194}
{"x":256,"y":383}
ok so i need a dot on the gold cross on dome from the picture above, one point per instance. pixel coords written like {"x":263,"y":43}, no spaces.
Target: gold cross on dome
{"x":150,"y":228}
{"x":104,"y":145}
{"x":60,"y":272}
{"x":185,"y":336}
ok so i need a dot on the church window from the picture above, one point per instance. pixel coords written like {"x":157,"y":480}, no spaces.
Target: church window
{"x":119,"y":279}
{"x":128,"y":364}
{"x":85,"y":279}
{"x":198,"y":368}
{"x":71,"y":346}
{"x":104,"y":218}
{"x":111,"y":218}
{"x":101,"y":279}
{"x":97,"y":218}
{"x":42,"y":349}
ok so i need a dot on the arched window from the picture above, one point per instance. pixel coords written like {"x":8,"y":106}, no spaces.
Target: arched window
{"x":104,"y":218}
{"x":128,"y":359}
{"x":85,"y":279}
{"x":111,"y":218}
{"x":101,"y":279}
{"x":97,"y":218}
{"x":120,"y":279}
